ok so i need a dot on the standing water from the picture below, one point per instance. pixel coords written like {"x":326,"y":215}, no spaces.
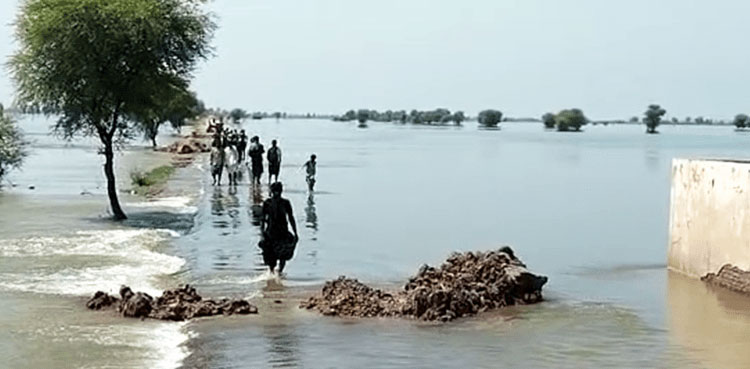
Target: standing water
{"x":589,"y":210}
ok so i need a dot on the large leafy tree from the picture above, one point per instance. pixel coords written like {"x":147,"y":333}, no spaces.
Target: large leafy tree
{"x":549,"y":120}
{"x":98,"y":63}
{"x":490,"y":117}
{"x":741,"y":121}
{"x":177,"y":106}
{"x":12,"y":144}
{"x":570,"y":120}
{"x":652,"y":117}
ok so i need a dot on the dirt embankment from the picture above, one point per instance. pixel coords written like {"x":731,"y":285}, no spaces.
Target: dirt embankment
{"x":730,"y":277}
{"x":177,"y":305}
{"x":466,"y":284}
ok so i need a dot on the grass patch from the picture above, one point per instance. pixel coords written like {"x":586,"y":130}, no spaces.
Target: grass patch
{"x":151,"y":182}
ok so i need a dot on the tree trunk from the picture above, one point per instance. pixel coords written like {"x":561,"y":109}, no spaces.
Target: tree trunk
{"x":153,"y":141}
{"x":109,"y":172}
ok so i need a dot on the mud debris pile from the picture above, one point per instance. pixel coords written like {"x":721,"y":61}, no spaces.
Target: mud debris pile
{"x":176,"y":305}
{"x":730,"y":277}
{"x":466,"y":284}
{"x":187,"y":146}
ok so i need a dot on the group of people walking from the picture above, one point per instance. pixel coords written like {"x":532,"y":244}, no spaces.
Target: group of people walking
{"x":228,"y":154}
{"x":228,"y":149}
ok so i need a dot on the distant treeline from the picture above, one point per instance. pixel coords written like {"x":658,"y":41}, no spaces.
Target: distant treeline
{"x":437,"y":116}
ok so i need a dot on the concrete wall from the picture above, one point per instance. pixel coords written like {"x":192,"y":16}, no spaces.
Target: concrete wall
{"x":709,"y":216}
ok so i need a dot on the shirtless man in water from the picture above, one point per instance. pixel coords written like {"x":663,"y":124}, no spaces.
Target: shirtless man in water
{"x":277,"y":242}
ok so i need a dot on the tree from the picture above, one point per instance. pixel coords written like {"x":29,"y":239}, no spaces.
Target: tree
{"x":490,"y":117}
{"x":675,"y":120}
{"x":458,"y":117}
{"x":237,"y":115}
{"x":362,"y":116}
{"x":634,"y":120}
{"x":570,"y":120}
{"x":178,"y":105}
{"x":548,"y":120}
{"x":652,"y":117}
{"x":97,"y":63}
{"x":741,"y":121}
{"x":12,"y":144}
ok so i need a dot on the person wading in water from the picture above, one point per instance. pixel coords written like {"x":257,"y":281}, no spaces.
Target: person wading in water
{"x":277,"y":242}
{"x":310,"y":168}
{"x":256,"y":157}
{"x":274,"y":162}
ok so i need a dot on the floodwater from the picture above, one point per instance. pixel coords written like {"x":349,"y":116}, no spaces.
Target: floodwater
{"x":589,"y":210}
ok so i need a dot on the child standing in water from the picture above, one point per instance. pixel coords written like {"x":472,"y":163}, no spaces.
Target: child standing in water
{"x":310,"y":167}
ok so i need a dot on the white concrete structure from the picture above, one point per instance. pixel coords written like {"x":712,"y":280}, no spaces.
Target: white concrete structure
{"x":709,"y":216}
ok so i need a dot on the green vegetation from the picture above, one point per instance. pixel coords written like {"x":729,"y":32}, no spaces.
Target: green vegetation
{"x":362,"y":117}
{"x":548,"y":120}
{"x":238,"y":115}
{"x":741,"y":121}
{"x":490,"y":118}
{"x":438,"y":116}
{"x":12,"y":144}
{"x":151,"y":182}
{"x":570,"y":120}
{"x":178,"y":105}
{"x":652,"y":117}
{"x":100,"y":65}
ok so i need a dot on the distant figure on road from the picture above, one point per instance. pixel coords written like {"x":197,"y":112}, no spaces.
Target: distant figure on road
{"x":242,"y":145}
{"x":274,"y":162}
{"x":277,"y":242}
{"x":310,"y":167}
{"x":217,"y":164}
{"x":232,"y":163}
{"x":256,"y":157}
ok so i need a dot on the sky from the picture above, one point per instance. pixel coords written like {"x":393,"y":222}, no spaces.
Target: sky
{"x":523,"y":57}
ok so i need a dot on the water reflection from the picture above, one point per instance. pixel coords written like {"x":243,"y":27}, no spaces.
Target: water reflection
{"x":226,"y":205}
{"x":233,"y":205}
{"x":311,"y":217}
{"x":713,"y":325}
{"x":282,"y":345}
{"x":256,"y":206}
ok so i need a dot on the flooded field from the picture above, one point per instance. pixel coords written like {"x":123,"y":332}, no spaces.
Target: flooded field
{"x":589,"y":210}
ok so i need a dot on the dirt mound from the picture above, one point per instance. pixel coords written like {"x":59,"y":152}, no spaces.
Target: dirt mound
{"x":466,"y":284}
{"x":730,"y":277}
{"x":187,"y":146}
{"x":178,"y":305}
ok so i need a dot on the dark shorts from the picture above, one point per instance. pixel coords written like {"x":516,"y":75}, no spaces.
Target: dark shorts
{"x":273,"y":168}
{"x":277,"y":248}
{"x":257,"y":169}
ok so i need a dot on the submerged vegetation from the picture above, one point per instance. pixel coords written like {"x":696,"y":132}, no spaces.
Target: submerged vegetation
{"x":490,"y":118}
{"x":103,"y":65}
{"x":741,"y":121}
{"x":652,"y":117}
{"x":566,"y":120}
{"x":438,"y":116}
{"x":12,"y":144}
{"x":151,"y":182}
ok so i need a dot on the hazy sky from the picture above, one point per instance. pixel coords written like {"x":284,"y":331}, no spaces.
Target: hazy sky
{"x":524,"y":57}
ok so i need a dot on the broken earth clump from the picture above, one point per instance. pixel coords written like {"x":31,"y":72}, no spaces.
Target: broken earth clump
{"x":177,"y":305}
{"x":730,"y":277}
{"x":466,"y":284}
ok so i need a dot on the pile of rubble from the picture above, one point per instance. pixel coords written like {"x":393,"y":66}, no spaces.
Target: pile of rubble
{"x":730,"y":277}
{"x":187,"y":146}
{"x":177,"y":305}
{"x":466,"y":284}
